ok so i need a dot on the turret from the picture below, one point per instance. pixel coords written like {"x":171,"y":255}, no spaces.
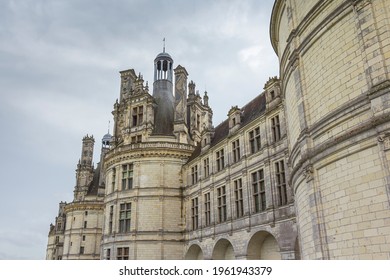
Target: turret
{"x":163,"y":94}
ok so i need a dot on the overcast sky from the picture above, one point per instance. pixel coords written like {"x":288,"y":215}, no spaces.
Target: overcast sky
{"x":59,"y":78}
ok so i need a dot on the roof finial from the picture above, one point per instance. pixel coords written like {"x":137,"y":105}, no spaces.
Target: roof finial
{"x":164,"y":45}
{"x":108,"y":126}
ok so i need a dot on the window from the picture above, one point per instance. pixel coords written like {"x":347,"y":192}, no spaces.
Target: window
{"x":136,"y":139}
{"x":124,"y":217}
{"x":122,"y":253}
{"x":236,"y":150}
{"x":221,"y":197}
{"x":108,"y":254}
{"x":86,"y":213}
{"x":275,"y":128}
{"x":127,"y":176}
{"x":238,"y":197}
{"x":198,"y":121}
{"x":207,"y":207}
{"x":220,"y":160}
{"x":194,"y":213}
{"x":110,"y":219}
{"x":254,"y":140}
{"x":206,"y":167}
{"x":59,"y":226}
{"x":138,"y":114}
{"x":281,"y":182}
{"x":258,"y":186}
{"x":85,"y":224}
{"x":57,"y":239}
{"x":83,"y":237}
{"x":194,"y":174}
{"x":81,"y":250}
{"x":113,"y":179}
{"x":272,"y":93}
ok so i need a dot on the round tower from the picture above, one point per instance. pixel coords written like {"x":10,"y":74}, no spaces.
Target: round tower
{"x":163,"y":94}
{"x":334,"y":67}
{"x":144,"y":190}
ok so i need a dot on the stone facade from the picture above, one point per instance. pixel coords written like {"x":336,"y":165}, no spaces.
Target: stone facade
{"x":334,"y":64}
{"x":301,"y":171}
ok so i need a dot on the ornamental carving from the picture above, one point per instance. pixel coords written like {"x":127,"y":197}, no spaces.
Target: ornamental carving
{"x":308,"y":172}
{"x":385,"y":140}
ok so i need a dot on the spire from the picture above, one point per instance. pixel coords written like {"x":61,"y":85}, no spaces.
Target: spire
{"x":164,"y":45}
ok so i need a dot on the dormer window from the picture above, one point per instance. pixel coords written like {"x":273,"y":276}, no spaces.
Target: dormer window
{"x":138,"y":114}
{"x":272,"y":93}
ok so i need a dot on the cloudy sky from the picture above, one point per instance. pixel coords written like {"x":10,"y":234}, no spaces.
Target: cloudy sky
{"x":59,"y":78}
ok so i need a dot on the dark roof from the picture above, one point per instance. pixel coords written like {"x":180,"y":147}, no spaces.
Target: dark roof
{"x":250,"y":112}
{"x":94,"y":185}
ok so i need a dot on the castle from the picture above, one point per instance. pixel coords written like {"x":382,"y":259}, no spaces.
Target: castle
{"x":299,"y":172}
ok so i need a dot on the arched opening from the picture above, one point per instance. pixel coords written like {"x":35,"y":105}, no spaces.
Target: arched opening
{"x":223,"y":250}
{"x":194,"y":253}
{"x":263,"y":246}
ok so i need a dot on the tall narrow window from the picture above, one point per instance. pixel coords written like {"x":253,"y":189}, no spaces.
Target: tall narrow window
{"x":110,"y":219}
{"x":124,"y":217}
{"x":281,"y":182}
{"x":194,"y":213}
{"x":108,"y":254}
{"x":258,"y":186}
{"x":85,"y":224}
{"x":221,"y":197}
{"x":220,"y":160}
{"x":122,"y":253}
{"x":113,"y":179}
{"x":194,"y":174}
{"x":138,"y":114}
{"x":206,"y":167}
{"x":236,"y":150}
{"x":254,"y":140}
{"x":207,"y":207}
{"x":127,"y":176}
{"x":238,"y":197}
{"x":81,"y":250}
{"x":275,"y":125}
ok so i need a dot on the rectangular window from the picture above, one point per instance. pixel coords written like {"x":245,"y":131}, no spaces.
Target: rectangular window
{"x":258,"y":187}
{"x":57,"y":239}
{"x":195,"y":213}
{"x":194,"y":174}
{"x":81,"y":250}
{"x":275,"y":124}
{"x":207,"y":207}
{"x":85,"y":224}
{"x":113,"y":179}
{"x":206,"y":167}
{"x":138,"y":115}
{"x":220,"y":160}
{"x":83,"y":237}
{"x":281,"y":182}
{"x":254,"y":140}
{"x":124,"y":217}
{"x":236,"y":150}
{"x":122,"y":253}
{"x":238,"y":197}
{"x":110,"y":220}
{"x":108,"y":254}
{"x":127,"y":176}
{"x":136,"y":139}
{"x":221,"y":197}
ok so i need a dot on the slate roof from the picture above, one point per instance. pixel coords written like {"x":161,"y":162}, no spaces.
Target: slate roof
{"x":250,"y":112}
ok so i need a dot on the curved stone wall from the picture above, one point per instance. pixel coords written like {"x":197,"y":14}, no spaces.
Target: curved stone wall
{"x":334,"y":65}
